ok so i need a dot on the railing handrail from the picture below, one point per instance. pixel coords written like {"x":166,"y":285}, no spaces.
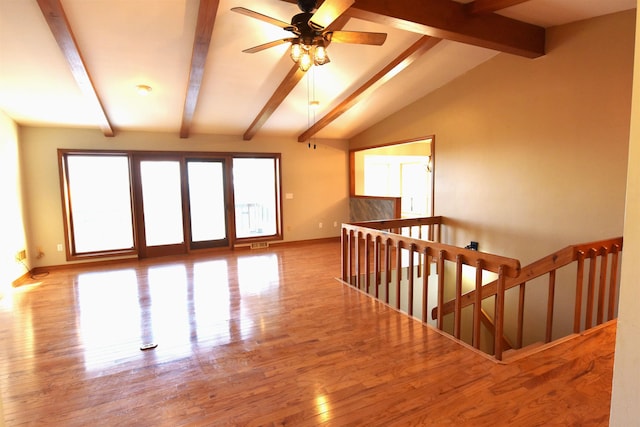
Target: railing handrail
{"x":399,"y":223}
{"x":493,"y":263}
{"x":536,"y":269}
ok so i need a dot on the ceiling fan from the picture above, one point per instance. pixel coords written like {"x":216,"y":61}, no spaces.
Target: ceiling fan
{"x":311,"y":33}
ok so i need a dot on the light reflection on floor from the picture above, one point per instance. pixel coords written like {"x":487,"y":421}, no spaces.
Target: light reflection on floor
{"x":211,"y":296}
{"x":258,"y":273}
{"x":175,"y":306}
{"x":109,"y":313}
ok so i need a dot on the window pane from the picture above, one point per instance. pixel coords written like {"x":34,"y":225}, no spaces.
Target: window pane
{"x":206,"y":200}
{"x":254,"y":186}
{"x":99,"y":190}
{"x":162,"y":201}
{"x":415,"y":188}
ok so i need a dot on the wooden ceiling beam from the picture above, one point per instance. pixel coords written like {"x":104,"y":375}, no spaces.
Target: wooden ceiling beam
{"x":289,"y":82}
{"x":204,"y":27}
{"x":489,"y":6}
{"x":58,"y":23}
{"x":396,"y":66}
{"x":450,"y":20}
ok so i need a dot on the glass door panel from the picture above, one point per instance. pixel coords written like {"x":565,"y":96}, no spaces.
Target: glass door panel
{"x":207,"y":208}
{"x":162,"y":224}
{"x":162,"y":202}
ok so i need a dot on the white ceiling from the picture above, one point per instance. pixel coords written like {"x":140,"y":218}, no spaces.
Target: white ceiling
{"x":129,"y":42}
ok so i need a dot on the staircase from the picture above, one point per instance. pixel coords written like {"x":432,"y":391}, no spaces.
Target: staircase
{"x":485,"y":300}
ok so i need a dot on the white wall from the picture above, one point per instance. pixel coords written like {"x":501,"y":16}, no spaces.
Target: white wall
{"x":625,"y":407}
{"x":12,"y":235}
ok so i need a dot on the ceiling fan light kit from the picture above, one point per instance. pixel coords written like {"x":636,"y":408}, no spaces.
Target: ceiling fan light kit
{"x":310,"y":29}
{"x":307,"y":55}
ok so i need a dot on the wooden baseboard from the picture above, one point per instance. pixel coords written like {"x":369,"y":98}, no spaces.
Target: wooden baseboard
{"x":27,"y":277}
{"x":281,"y":243}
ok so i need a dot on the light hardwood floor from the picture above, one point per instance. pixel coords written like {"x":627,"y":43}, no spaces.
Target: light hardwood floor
{"x":266,"y":337}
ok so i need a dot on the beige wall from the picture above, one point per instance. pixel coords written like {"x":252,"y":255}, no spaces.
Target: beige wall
{"x":12,"y":236}
{"x":531,"y":154}
{"x":625,"y":410}
{"x":316,"y":178}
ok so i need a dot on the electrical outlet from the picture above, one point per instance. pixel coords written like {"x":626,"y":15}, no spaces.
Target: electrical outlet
{"x":60,"y":247}
{"x":319,"y":225}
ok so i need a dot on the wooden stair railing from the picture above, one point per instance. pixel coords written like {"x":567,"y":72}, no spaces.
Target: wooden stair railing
{"x":368,"y":251}
{"x":608,"y":252}
{"x":408,"y":226}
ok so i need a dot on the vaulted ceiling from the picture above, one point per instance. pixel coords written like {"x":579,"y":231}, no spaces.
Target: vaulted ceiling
{"x":76,"y":63}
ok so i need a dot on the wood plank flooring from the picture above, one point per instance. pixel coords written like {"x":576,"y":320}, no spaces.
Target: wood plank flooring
{"x":266,"y":337}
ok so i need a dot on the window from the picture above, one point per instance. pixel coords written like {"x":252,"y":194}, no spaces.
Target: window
{"x":401,"y":170}
{"x":256,"y":193}
{"x":98,"y":197}
{"x":148,"y":203}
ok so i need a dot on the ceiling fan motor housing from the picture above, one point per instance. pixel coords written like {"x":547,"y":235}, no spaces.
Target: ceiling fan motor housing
{"x":307,"y":5}
{"x":300,"y":22}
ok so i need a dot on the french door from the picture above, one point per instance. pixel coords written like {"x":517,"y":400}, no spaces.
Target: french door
{"x":181,"y":204}
{"x":208,"y":204}
{"x":163,"y":203}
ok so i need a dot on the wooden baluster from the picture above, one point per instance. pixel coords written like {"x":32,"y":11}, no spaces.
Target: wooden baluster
{"x":376,"y":265}
{"x":579,"y":285}
{"x":420,"y":265}
{"x":387,"y":262}
{"x":477,"y":306}
{"x":367,"y":261}
{"x":343,"y":254}
{"x":613,"y":284}
{"x":398,"y":272}
{"x":604,"y":254}
{"x":550,"y":303}
{"x":350,"y":257}
{"x":457,"y":319}
{"x":410,"y":281}
{"x":425,"y":284}
{"x":519,"y":333}
{"x":357,"y":260}
{"x":499,"y":314}
{"x":590,"y":289}
{"x":440,"y":288}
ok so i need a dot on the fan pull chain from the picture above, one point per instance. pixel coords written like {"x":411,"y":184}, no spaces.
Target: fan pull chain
{"x":311,"y":96}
